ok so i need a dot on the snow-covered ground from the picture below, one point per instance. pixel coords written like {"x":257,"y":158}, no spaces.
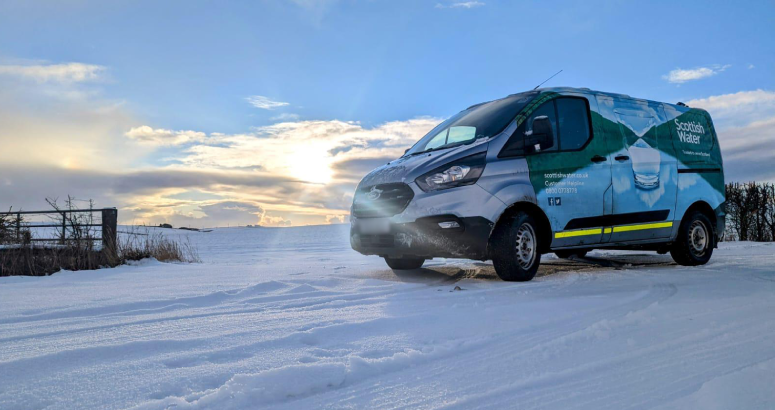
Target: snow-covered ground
{"x":293,"y":318}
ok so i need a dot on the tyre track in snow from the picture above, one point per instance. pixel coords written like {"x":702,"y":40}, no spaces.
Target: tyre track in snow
{"x":711,"y":352}
{"x":225,"y":303}
{"x":656,"y":294}
{"x":667,"y":294}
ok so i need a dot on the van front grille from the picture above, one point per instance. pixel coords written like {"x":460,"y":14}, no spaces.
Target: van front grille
{"x":381,"y":200}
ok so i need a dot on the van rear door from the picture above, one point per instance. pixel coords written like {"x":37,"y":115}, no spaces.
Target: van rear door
{"x":643,"y":175}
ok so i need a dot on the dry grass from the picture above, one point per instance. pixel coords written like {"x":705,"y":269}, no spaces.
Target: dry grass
{"x":37,"y":260}
{"x":43,"y":260}
{"x":136,"y":246}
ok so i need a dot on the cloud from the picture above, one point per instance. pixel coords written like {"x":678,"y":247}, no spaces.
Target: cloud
{"x":216,"y":214}
{"x":747,"y":151}
{"x":306,"y":150}
{"x":751,"y":66}
{"x":163,"y":194}
{"x":461,"y":5}
{"x":77,"y":143}
{"x":161,"y":137}
{"x":467,"y":4}
{"x":335,"y":219}
{"x":64,"y":73}
{"x":305,"y":171}
{"x":737,"y":109}
{"x":264,"y":103}
{"x":38,"y":125}
{"x":745,"y":122}
{"x":680,"y":76}
{"x":233,"y":212}
{"x":285,"y":117}
{"x":267,"y":220}
{"x":744,"y":100}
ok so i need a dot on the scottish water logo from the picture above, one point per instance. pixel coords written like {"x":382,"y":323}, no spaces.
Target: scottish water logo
{"x":689,"y":132}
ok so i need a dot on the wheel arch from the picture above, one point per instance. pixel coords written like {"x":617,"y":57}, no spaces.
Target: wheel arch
{"x":705,"y":209}
{"x":544,"y":226}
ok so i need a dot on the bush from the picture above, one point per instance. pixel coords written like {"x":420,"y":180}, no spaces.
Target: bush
{"x":8,"y":231}
{"x":750,"y":211}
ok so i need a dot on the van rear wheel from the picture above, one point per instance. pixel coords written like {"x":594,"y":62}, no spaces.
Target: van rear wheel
{"x":404,"y":263}
{"x":516,"y":252}
{"x":694,"y":244}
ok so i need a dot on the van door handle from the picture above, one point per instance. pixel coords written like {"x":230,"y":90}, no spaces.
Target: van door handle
{"x":598,"y":158}
{"x":621,"y":158}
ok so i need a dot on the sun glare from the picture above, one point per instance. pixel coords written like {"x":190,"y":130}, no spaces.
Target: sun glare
{"x":310,"y":165}
{"x":69,"y":163}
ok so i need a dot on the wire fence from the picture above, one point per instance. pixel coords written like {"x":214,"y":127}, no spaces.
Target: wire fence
{"x":91,"y":227}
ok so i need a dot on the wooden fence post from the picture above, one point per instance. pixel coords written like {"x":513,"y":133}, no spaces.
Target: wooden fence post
{"x":109,"y":234}
{"x":64,"y":228}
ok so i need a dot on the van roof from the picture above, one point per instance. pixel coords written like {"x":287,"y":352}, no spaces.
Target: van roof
{"x":589,"y":91}
{"x":582,"y":89}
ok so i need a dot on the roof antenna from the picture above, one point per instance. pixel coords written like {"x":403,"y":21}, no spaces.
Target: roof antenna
{"x":548,"y":79}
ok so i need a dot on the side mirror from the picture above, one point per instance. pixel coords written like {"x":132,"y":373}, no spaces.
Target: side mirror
{"x":541,"y":134}
{"x":407,"y":150}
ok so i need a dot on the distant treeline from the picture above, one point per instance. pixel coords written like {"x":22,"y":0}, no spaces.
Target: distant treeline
{"x":750,"y":212}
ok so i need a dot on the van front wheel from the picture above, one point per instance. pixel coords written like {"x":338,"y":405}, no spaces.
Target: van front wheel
{"x":516,"y":252}
{"x":694,"y":244}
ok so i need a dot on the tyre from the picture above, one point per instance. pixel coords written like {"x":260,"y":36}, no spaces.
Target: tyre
{"x":694,"y":244}
{"x":404,"y":263}
{"x":516,"y":254}
{"x":568,"y":253}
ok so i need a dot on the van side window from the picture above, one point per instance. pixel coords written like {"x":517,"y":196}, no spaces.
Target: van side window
{"x":573,"y":117}
{"x":516,"y":144}
{"x":571,"y":124}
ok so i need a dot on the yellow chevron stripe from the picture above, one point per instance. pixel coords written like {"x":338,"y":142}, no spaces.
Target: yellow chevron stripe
{"x":627,"y":228}
{"x":582,"y":232}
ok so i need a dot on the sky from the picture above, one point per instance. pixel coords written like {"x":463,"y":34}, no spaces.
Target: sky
{"x":204,"y":113}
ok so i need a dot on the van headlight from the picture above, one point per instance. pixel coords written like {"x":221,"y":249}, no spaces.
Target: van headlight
{"x":464,"y":171}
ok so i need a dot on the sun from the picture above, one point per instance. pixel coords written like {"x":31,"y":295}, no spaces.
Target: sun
{"x":310,"y":164}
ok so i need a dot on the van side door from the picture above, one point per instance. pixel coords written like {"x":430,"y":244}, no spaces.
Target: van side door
{"x":643,"y":170}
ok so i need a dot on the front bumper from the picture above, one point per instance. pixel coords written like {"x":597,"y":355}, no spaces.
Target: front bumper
{"x":424,"y":238}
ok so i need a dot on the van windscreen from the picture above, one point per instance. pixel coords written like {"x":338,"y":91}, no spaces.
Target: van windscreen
{"x":479,"y":121}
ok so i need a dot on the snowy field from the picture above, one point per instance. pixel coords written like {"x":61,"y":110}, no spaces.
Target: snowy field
{"x":294,"y":319}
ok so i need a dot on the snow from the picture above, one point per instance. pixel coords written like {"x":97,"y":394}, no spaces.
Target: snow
{"x":292,"y":318}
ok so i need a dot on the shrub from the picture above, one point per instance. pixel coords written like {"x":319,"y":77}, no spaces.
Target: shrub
{"x":750,"y":211}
